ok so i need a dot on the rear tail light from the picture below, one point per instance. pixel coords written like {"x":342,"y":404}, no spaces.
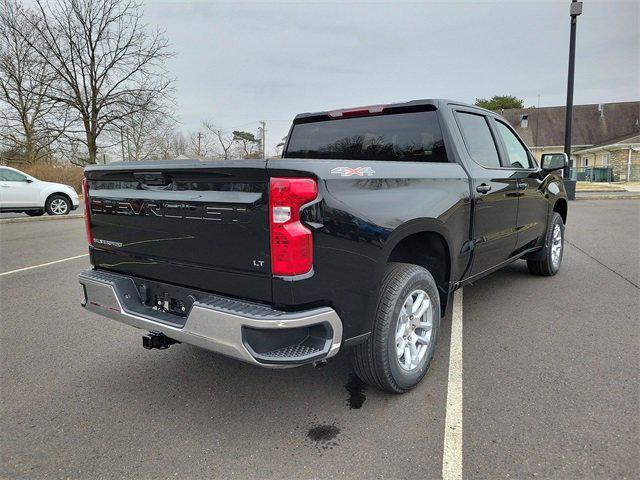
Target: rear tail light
{"x":87,"y":208}
{"x":291,"y":241}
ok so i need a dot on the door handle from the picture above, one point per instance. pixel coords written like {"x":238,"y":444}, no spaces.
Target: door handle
{"x":484,"y":188}
{"x":522,"y":186}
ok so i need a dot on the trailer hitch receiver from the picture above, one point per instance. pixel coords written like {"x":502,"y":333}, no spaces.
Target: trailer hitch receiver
{"x":157,"y":340}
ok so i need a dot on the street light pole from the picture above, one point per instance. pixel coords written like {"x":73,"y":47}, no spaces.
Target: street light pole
{"x":575,"y":10}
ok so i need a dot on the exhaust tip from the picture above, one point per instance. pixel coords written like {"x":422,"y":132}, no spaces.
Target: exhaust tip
{"x":319,"y":364}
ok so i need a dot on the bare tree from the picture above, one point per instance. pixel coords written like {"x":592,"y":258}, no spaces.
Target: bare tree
{"x":161,"y":146}
{"x":141,"y":129}
{"x":179,"y":144}
{"x":137,"y":130}
{"x":200,"y":145}
{"x":162,"y":142}
{"x":222,"y":138}
{"x":166,"y":143}
{"x":31,"y":122}
{"x":107,"y":63}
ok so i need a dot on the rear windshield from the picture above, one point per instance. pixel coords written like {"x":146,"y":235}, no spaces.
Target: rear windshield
{"x":408,"y":137}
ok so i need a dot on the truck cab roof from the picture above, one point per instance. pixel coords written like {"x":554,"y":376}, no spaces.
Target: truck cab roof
{"x":435,"y":103}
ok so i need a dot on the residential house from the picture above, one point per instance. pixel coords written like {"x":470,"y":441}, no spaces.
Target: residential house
{"x":604,"y":136}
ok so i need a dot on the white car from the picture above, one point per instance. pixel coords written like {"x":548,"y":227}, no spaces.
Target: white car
{"x":20,"y":192}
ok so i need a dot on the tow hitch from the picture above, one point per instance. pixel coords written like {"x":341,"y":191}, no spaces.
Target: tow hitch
{"x":157,"y":340}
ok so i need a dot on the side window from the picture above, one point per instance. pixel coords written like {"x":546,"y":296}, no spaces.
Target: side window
{"x":478,"y":139}
{"x":518,"y":156}
{"x":11,"y":176}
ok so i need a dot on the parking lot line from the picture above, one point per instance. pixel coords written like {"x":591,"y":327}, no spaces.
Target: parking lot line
{"x":452,"y":453}
{"x":43,"y":264}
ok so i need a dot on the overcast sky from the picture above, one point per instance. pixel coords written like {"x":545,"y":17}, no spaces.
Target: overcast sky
{"x":239,"y":62}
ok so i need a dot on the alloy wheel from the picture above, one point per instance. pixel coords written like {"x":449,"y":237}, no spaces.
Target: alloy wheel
{"x":59,"y":206}
{"x":414,"y":330}
{"x":556,"y":246}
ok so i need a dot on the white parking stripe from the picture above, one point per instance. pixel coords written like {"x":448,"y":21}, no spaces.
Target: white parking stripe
{"x":452,"y":454}
{"x":43,"y":264}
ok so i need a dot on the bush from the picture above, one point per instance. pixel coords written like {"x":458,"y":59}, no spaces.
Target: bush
{"x":54,"y":172}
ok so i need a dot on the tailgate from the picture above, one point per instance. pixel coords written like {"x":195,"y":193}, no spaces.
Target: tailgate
{"x":198,"y":224}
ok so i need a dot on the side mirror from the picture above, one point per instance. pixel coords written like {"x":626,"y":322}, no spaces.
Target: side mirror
{"x":28,"y":180}
{"x":554,"y":161}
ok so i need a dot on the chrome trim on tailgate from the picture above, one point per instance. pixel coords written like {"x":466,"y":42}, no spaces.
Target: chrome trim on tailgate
{"x":214,"y":323}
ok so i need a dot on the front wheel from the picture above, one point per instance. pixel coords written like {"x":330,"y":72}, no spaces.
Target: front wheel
{"x":58,"y":205}
{"x":548,"y":260}
{"x":398,"y":352}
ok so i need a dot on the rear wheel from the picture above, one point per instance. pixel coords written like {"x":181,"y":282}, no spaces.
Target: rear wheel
{"x":58,"y":205}
{"x":397,"y":354}
{"x":34,"y":213}
{"x":548,"y":260}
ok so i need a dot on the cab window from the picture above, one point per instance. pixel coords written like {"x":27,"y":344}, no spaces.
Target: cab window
{"x":478,"y":139}
{"x":517,"y":154}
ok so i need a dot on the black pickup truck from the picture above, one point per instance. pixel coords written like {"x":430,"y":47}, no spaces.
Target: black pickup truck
{"x":355,"y":239}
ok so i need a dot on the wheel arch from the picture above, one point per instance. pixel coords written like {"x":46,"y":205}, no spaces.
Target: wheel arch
{"x":561,"y":207}
{"x":57,"y":192}
{"x":424,"y":243}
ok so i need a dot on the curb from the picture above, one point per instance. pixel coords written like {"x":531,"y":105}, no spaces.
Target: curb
{"x":608,"y":197}
{"x":604,"y":192}
{"x":40,"y":219}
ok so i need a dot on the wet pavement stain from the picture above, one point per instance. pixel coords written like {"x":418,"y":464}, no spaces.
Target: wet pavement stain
{"x":324,"y":435}
{"x":356,"y":389}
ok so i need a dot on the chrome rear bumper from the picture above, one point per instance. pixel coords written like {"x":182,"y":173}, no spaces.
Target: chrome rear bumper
{"x":216,"y":323}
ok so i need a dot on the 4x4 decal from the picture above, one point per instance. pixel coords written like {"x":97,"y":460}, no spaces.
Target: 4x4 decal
{"x":347,"y":171}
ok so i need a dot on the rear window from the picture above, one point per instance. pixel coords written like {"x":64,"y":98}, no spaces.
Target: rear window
{"x":408,"y":137}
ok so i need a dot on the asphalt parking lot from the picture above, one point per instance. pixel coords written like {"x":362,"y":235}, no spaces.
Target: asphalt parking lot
{"x":550,"y":380}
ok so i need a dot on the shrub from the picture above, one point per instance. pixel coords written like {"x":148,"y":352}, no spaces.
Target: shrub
{"x":55,"y":172}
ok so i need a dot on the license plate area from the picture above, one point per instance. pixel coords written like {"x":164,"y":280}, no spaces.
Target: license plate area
{"x":165,"y":303}
{"x":165,"y":298}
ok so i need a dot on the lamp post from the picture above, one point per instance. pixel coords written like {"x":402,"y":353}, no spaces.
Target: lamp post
{"x":574,"y":11}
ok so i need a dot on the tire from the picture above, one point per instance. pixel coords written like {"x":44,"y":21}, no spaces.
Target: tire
{"x":34,"y":213}
{"x":377,"y":361}
{"x":547,"y":261}
{"x":58,"y":205}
